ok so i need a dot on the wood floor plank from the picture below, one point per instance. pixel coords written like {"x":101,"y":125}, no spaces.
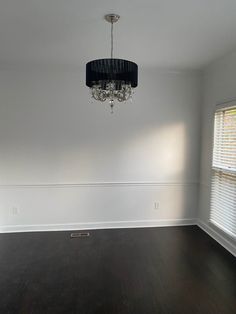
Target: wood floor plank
{"x":172,"y":270}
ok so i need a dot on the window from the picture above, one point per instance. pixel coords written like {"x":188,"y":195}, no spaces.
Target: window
{"x":223,"y":189}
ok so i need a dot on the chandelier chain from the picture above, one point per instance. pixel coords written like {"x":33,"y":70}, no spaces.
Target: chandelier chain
{"x":112,"y":40}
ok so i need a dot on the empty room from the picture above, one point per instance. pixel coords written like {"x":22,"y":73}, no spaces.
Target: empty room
{"x":117,"y":157}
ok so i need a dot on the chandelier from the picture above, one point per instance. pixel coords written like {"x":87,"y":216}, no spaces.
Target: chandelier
{"x":111,"y":79}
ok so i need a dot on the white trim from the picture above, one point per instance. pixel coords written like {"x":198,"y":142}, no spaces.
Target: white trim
{"x":226,"y":231}
{"x":226,"y":104}
{"x":123,"y":224}
{"x":97,"y":184}
{"x":98,"y":225}
{"x":229,"y":246}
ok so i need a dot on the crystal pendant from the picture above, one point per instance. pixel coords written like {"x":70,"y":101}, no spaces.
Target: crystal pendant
{"x":111,"y":91}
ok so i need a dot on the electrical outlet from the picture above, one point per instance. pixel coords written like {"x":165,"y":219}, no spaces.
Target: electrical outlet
{"x":15,"y":211}
{"x":156,"y":205}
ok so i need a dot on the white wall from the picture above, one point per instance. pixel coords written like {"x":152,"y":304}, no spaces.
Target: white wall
{"x":219,"y":86}
{"x":66,"y":160}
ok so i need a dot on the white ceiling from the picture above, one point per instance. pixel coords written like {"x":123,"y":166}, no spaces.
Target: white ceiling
{"x":164,"y":33}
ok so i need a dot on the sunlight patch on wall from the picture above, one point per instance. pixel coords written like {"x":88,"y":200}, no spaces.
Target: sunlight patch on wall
{"x":157,"y":154}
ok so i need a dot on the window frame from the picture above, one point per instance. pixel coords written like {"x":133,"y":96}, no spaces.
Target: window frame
{"x":219,"y":107}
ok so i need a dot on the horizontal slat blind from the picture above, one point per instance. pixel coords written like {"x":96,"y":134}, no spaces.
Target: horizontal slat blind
{"x":223,"y":194}
{"x":224,"y":155}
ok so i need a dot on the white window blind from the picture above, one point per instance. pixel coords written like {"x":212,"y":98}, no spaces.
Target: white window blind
{"x":223,"y":190}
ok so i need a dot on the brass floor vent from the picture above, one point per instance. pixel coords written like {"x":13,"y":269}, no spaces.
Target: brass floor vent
{"x":79,"y":235}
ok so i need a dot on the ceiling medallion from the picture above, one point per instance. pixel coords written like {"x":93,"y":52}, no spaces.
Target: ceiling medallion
{"x":110,"y":78}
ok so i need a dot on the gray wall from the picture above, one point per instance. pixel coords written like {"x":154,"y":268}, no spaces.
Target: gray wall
{"x":65,"y":160}
{"x":219,"y":86}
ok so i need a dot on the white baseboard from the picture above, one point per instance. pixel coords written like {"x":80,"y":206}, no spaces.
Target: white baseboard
{"x":229,"y":246}
{"x":123,"y":224}
{"x":97,"y":225}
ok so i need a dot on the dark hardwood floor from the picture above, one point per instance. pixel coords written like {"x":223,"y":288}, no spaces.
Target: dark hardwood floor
{"x":139,"y":271}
